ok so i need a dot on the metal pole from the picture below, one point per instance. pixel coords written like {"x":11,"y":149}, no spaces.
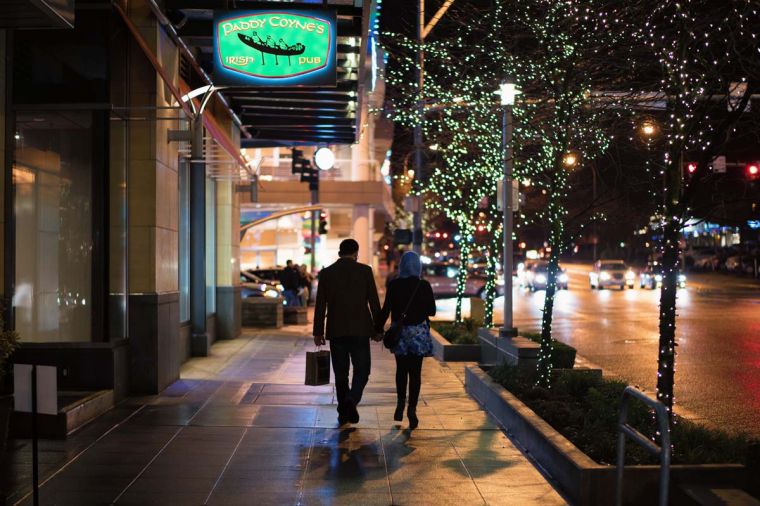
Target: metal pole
{"x":199,"y":338}
{"x":315,"y":215}
{"x":508,"y":329}
{"x":35,"y":449}
{"x":593,"y":181}
{"x":417,"y":215}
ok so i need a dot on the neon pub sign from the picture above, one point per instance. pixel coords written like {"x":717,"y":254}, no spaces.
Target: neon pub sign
{"x":275,"y":48}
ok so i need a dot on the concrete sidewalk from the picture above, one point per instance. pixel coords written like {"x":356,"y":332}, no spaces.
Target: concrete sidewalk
{"x":241,"y":428}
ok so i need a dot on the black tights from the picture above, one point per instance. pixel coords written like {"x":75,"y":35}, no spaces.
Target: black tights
{"x":408,"y":366}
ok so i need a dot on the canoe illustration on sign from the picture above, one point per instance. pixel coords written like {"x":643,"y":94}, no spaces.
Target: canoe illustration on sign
{"x":278,"y":49}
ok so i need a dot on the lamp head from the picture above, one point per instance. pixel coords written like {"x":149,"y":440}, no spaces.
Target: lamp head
{"x":507,"y":92}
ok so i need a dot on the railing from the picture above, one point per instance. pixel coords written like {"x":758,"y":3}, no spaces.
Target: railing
{"x":626,"y":430}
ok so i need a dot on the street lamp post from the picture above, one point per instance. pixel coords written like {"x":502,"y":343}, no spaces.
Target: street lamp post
{"x":507,"y":92}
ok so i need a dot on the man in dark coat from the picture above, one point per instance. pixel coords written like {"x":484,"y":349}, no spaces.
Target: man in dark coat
{"x":289,"y":279}
{"x":347,"y":296}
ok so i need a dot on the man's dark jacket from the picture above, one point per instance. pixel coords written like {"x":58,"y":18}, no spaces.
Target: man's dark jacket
{"x":289,"y":278}
{"x":347,"y":295}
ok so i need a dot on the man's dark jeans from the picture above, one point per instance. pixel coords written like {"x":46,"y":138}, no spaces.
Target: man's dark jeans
{"x":345,"y":351}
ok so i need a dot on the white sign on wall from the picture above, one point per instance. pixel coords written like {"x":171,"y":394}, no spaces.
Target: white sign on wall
{"x":47,"y":389}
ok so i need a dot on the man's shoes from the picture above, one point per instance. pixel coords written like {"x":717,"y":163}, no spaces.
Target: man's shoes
{"x":353,"y":413}
{"x":342,"y":420}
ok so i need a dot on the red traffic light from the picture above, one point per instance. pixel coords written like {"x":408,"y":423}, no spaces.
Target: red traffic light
{"x":753,"y":170}
{"x":691,"y":167}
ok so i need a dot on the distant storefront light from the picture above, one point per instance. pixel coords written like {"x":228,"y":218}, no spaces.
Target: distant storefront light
{"x":324,"y":158}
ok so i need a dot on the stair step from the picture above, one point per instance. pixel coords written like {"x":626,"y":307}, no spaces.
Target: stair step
{"x":708,"y":496}
{"x":75,"y":409}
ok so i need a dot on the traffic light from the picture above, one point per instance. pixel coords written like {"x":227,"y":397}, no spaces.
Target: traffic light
{"x":298,"y":162}
{"x":310,"y":175}
{"x":322,"y":223}
{"x":689,"y":168}
{"x":752,"y":170}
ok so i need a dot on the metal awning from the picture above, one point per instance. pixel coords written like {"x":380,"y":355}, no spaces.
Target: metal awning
{"x":285,"y":116}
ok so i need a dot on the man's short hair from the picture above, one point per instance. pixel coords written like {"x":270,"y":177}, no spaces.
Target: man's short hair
{"x":348,"y":247}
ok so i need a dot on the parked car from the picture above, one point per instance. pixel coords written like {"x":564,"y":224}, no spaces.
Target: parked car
{"x":270,"y":275}
{"x":443,"y":279}
{"x":609,"y":273}
{"x":253,"y":286}
{"x":537,"y":277}
{"x":651,"y":277}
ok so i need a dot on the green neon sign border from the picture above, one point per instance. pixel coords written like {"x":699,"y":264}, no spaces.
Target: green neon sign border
{"x":328,"y":22}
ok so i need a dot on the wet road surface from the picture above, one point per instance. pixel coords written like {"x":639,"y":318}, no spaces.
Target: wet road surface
{"x":718,"y":331}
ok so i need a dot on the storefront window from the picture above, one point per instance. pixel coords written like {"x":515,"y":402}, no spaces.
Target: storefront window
{"x":52,"y":179}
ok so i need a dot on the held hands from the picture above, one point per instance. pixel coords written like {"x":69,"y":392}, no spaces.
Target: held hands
{"x":319,"y":340}
{"x":377,"y":337}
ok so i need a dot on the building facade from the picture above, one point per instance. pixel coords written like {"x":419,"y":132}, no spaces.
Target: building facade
{"x":124,"y":180}
{"x":96,"y":226}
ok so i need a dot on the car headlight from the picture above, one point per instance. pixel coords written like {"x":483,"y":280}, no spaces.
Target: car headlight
{"x":540,"y":278}
{"x":604,"y":275}
{"x":630,"y":275}
{"x":682,"y":278}
{"x":563,"y":278}
{"x":263,"y":287}
{"x":271,"y":293}
{"x":451,"y":272}
{"x":658,"y":277}
{"x":280,"y":287}
{"x":520,"y":267}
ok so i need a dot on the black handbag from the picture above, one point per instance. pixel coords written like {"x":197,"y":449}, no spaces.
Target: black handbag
{"x":393,"y":334}
{"x":317,"y":368}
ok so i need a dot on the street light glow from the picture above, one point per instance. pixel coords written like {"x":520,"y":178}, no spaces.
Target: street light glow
{"x":570,"y":160}
{"x":508,"y":92}
{"x":648,"y":128}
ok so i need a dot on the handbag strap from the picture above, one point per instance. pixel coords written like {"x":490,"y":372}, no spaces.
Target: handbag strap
{"x":408,"y":304}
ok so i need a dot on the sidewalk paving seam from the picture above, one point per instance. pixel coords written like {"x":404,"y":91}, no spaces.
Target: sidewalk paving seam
{"x":166,"y":445}
{"x":145,"y":468}
{"x":307,"y":465}
{"x":76,"y":457}
{"x":226,"y":465}
{"x":385,"y":461}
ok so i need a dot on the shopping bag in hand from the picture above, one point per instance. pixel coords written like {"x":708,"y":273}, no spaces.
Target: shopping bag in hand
{"x":317,"y":368}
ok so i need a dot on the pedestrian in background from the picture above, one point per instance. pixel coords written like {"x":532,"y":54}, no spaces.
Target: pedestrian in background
{"x":347,"y":298}
{"x":304,"y":283}
{"x":289,"y":279}
{"x":411,"y":297}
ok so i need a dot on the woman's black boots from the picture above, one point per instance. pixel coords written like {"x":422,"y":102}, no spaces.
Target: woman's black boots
{"x":399,"y":413}
{"x":412,"y":414}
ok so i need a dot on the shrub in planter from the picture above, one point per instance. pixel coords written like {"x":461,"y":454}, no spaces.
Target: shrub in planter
{"x":584,"y":408}
{"x":459,"y":333}
{"x":563,"y":356}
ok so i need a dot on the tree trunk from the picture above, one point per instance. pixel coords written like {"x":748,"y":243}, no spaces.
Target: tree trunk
{"x":667,"y":346}
{"x":464,"y":253}
{"x":555,"y":242}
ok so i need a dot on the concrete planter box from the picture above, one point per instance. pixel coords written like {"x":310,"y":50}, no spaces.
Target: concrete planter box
{"x":262,"y":312}
{"x":445,"y":351}
{"x":584,"y":481}
{"x":295,"y":316}
{"x":496,"y":350}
